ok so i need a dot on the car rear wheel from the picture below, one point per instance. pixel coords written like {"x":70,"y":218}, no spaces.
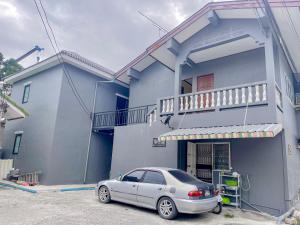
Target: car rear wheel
{"x":103,"y":194}
{"x":167,"y":208}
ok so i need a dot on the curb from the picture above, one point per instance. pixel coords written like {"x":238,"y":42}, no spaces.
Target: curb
{"x":77,"y":189}
{"x":22,"y":188}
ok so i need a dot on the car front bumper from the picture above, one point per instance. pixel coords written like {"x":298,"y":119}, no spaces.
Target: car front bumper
{"x":196,"y":206}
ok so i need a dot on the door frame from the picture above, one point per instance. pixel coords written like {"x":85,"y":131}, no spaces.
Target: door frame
{"x":212,"y":143}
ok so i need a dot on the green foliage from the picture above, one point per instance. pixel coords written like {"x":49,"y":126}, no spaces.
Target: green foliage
{"x":298,"y":222}
{"x":8,"y":67}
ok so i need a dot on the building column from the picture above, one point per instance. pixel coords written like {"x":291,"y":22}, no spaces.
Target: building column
{"x":177,"y":86}
{"x":270,"y":75}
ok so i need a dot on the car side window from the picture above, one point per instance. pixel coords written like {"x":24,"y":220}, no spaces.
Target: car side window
{"x":154,"y":177}
{"x":134,"y":176}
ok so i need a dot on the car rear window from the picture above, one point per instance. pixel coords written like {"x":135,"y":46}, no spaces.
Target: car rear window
{"x":182,"y":176}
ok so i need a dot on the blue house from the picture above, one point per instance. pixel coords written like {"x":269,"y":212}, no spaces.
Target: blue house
{"x":61,"y":93}
{"x":217,"y":94}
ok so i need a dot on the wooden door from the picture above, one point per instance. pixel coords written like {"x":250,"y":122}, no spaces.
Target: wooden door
{"x":205,"y":83}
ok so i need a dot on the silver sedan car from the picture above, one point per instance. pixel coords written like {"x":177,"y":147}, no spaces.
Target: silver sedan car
{"x":166,"y":190}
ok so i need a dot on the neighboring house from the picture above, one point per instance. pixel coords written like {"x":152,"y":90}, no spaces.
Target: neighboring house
{"x":55,"y":139}
{"x":220,"y":91}
{"x":9,"y":110}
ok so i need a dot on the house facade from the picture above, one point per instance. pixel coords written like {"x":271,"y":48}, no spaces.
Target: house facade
{"x":220,"y":95}
{"x":56,"y":138}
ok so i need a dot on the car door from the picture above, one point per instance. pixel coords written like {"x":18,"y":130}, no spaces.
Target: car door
{"x":151,"y":188}
{"x":125,"y":190}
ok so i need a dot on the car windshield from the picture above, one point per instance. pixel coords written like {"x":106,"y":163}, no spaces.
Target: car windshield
{"x":182,"y":176}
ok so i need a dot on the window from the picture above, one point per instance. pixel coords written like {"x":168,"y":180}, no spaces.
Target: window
{"x":26,"y":93}
{"x":17,"y":144}
{"x":152,"y":177}
{"x":182,"y":176}
{"x":134,"y":176}
{"x":289,"y":89}
{"x":221,"y":156}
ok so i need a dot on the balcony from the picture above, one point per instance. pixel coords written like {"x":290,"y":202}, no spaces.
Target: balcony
{"x":110,"y":119}
{"x":222,"y":98}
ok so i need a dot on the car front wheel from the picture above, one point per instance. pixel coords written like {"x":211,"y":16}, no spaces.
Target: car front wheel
{"x":103,"y":194}
{"x":167,"y":208}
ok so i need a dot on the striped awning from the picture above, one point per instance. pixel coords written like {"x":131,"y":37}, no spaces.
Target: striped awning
{"x":224,"y":132}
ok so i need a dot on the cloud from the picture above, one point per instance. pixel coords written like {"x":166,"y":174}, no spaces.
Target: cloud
{"x":110,"y":33}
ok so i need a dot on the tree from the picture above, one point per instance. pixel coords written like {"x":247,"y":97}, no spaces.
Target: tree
{"x":8,"y":67}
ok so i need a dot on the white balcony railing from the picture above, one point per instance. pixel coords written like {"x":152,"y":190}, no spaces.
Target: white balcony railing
{"x":229,"y":97}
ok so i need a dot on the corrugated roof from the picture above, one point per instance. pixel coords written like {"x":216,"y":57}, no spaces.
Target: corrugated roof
{"x":223,"y":132}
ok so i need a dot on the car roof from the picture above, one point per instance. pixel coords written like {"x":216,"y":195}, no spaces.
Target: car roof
{"x":156,"y":168}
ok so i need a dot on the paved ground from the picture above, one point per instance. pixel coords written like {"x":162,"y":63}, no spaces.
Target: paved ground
{"x":81,"y":207}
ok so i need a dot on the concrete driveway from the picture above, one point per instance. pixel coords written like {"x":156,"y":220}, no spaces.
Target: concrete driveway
{"x":81,"y":207}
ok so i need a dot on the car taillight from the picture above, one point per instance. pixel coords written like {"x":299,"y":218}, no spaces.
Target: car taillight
{"x":195,"y":193}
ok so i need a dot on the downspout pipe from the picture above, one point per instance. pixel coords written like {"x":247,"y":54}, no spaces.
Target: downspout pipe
{"x":91,"y":126}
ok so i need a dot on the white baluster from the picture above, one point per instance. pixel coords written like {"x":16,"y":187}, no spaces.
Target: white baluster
{"x":163,"y":106}
{"x":218,"y":99}
{"x":243,"y":96}
{"x":150,"y":119}
{"x":236,"y":101}
{"x":181,"y":103}
{"x":230,"y":97}
{"x":154,"y":115}
{"x":249,"y":94}
{"x":201,"y":101}
{"x":264,"y":95}
{"x":257,"y":95}
{"x":224,"y":98}
{"x":207,"y":100}
{"x":213,"y":99}
{"x":168,"y":106}
{"x":196,"y":101}
{"x":186,"y":98}
{"x":171,"y":105}
{"x":191,"y":102}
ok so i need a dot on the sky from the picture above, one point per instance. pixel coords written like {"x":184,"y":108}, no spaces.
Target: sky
{"x":108,"y":32}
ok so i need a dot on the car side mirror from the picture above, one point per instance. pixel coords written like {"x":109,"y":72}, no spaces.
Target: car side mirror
{"x":119,"y":178}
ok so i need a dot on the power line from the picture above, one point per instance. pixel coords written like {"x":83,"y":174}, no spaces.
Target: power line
{"x":60,"y":57}
{"x":66,"y":71}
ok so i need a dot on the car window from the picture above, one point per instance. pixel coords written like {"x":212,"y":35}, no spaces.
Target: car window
{"x":154,"y":177}
{"x":182,"y":176}
{"x":134,"y":176}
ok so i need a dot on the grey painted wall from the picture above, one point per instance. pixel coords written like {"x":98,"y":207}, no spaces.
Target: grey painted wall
{"x":133,"y":148}
{"x":154,"y":82}
{"x":39,"y":126}
{"x":289,"y":119}
{"x":56,"y":134}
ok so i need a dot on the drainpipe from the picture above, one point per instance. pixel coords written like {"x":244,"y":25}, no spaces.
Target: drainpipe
{"x":91,"y":127}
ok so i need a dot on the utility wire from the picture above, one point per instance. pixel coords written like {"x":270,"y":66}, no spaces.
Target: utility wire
{"x":70,"y":81}
{"x":60,"y":57}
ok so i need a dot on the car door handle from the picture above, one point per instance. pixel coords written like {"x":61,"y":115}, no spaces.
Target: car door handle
{"x":159,"y":189}
{"x":133,"y":185}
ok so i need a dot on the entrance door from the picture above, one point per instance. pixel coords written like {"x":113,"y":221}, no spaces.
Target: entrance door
{"x":205,"y":82}
{"x":121,"y":111}
{"x":204,"y":162}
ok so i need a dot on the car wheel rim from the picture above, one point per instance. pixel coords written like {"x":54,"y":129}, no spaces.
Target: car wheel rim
{"x":166,"y":208}
{"x":103,"y":194}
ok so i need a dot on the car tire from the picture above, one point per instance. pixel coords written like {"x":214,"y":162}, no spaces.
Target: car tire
{"x":104,"y":195}
{"x":166,"y":208}
{"x":218,"y":208}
